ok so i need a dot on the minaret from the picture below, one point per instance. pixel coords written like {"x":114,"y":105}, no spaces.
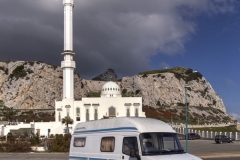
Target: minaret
{"x":68,"y":65}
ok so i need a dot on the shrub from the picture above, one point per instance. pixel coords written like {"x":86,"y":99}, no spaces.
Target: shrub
{"x":34,"y":140}
{"x":82,"y":85}
{"x":60,"y":143}
{"x":93,"y":94}
{"x":6,"y":70}
{"x":18,"y":72}
{"x":160,"y":75}
{"x":178,"y":76}
{"x":137,"y":91}
{"x":124,"y":91}
{"x":15,"y":145}
{"x":189,"y":71}
{"x":144,"y":107}
{"x":193,"y":76}
{"x":181,"y":104}
{"x":31,"y":63}
{"x":158,"y":71}
{"x":214,"y":102}
{"x":29,"y":71}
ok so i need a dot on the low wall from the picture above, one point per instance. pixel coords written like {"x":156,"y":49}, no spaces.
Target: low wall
{"x":208,"y":134}
{"x":38,"y":149}
{"x":203,"y":126}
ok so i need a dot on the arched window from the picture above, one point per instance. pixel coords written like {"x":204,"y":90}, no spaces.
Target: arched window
{"x":87,"y":114}
{"x":128,"y":112}
{"x":112,"y":112}
{"x":95,"y":114}
{"x":78,"y":111}
{"x":68,"y":110}
{"x":136,"y":112}
{"x":59,"y":117}
{"x":77,"y":114}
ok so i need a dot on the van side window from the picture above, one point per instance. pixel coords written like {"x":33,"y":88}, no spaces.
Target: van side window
{"x":107,"y":144}
{"x":129,"y":143}
{"x":79,"y":141}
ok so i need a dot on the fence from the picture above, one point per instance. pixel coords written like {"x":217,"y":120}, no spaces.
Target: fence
{"x":208,"y":134}
{"x":202,"y":126}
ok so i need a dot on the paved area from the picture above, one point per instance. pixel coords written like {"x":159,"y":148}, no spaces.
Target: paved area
{"x":206,"y":149}
{"x":210,"y":149}
{"x":34,"y":156}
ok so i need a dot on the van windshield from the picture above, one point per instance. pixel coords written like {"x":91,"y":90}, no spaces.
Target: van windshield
{"x":160,"y":143}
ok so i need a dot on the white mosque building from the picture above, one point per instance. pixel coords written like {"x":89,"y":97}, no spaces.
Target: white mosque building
{"x":111,"y":103}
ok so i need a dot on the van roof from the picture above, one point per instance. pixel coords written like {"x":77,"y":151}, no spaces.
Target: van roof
{"x":139,"y":124}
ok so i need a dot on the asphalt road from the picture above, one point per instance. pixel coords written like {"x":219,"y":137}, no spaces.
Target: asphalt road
{"x":34,"y":156}
{"x":210,"y":147}
{"x":206,"y":149}
{"x":227,"y":158}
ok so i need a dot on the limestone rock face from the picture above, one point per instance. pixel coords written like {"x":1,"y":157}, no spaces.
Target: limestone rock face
{"x":29,"y":85}
{"x":109,"y":75}
{"x":166,"y":90}
{"x":36,"y":85}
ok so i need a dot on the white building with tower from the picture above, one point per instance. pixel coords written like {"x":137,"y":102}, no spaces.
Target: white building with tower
{"x":111,"y":103}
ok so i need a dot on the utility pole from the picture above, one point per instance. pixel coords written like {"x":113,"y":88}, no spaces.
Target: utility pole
{"x":186,"y":86}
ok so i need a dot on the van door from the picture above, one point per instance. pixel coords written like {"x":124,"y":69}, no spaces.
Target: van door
{"x":128,"y":144}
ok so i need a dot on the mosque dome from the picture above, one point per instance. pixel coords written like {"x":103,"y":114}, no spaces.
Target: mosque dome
{"x":111,"y":89}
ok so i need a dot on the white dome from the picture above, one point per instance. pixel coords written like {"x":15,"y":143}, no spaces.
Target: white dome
{"x":111,"y":89}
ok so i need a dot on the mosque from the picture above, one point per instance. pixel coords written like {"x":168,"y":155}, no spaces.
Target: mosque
{"x":111,"y":103}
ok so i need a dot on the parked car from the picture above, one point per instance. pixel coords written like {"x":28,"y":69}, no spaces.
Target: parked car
{"x":193,"y":136}
{"x":223,"y":138}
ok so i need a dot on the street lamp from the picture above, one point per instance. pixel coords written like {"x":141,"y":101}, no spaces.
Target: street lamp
{"x":186,"y":86}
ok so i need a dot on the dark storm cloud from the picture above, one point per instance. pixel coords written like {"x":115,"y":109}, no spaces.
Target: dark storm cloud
{"x":118,"y":34}
{"x":29,"y":32}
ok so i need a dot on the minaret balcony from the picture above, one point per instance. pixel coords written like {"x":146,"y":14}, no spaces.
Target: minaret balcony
{"x":69,"y":2}
{"x":68,"y":64}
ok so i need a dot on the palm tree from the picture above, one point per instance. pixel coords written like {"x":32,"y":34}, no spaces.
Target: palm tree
{"x":67,"y":120}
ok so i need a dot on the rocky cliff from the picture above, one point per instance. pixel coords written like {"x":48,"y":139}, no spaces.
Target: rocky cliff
{"x":109,"y":75}
{"x":36,"y":85}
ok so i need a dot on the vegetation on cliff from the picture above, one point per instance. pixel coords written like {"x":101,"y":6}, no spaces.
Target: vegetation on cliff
{"x":180,"y":73}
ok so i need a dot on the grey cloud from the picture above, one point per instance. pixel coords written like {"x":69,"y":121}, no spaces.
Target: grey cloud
{"x":122,"y":35}
{"x":231,"y":83}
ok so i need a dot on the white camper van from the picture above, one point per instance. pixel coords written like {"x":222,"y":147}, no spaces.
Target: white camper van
{"x":126,"y":138}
